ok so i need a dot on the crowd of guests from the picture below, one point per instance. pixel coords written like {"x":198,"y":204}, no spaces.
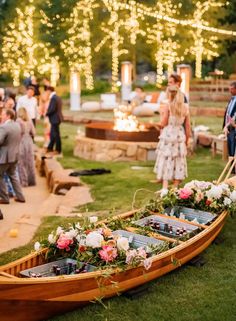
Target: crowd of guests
{"x":18,"y":118}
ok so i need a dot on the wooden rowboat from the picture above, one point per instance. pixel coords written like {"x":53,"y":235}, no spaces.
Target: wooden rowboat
{"x":34,"y":299}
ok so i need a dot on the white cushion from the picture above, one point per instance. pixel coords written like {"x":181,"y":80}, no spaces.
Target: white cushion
{"x":91,"y":106}
{"x":108,"y":101}
{"x":148,"y":98}
{"x":143,"y":110}
{"x":151,"y":106}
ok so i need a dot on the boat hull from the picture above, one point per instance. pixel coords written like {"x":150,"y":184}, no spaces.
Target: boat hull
{"x":42,"y":298}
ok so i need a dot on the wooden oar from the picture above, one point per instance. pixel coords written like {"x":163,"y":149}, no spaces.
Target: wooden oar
{"x":231,"y":168}
{"x":227,"y":168}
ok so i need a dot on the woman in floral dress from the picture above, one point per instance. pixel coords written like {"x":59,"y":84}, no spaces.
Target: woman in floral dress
{"x":171,"y":150}
{"x":26,"y":167}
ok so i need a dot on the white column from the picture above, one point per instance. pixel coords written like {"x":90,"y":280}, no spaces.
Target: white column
{"x":185,"y":73}
{"x":126,"y":80}
{"x":75,"y":90}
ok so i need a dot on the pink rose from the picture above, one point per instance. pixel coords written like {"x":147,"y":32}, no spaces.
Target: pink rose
{"x":63,"y":243}
{"x":199,"y":196}
{"x":208,"y":202}
{"x":108,"y":253}
{"x":185,"y":193}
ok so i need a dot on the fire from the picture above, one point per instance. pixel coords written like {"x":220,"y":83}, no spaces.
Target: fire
{"x":124,"y":121}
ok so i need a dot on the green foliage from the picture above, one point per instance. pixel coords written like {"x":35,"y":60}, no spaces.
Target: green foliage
{"x":100,"y":86}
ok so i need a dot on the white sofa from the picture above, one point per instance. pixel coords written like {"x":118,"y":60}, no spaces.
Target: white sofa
{"x":108,"y":101}
{"x":151,"y":106}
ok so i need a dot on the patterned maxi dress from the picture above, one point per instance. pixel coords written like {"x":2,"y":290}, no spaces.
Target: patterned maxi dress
{"x":171,"y":151}
{"x":26,"y":167}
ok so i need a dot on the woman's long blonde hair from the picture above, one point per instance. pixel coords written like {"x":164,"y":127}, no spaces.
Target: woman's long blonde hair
{"x":22,"y":113}
{"x":177,"y":105}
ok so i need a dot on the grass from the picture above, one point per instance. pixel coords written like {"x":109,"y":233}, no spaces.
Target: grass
{"x":189,"y":293}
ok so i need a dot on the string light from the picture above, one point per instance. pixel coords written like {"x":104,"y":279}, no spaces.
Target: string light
{"x":201,"y":45}
{"x":19,"y":48}
{"x":77,"y":47}
{"x":113,"y":33}
{"x":150,"y":12}
{"x":162,"y":37}
{"x":132,"y":24}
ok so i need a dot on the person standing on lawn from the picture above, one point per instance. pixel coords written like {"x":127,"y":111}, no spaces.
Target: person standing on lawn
{"x":10,"y":137}
{"x":229,"y":124}
{"x":55,"y":116}
{"x":171,"y":164}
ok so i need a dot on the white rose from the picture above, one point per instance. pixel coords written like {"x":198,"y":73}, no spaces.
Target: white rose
{"x":93,"y":219}
{"x":122,"y":244}
{"x":82,"y":241}
{"x":214,"y":192}
{"x":71,"y":234}
{"x":225,"y":188}
{"x":59,"y":230}
{"x":227,"y":201}
{"x":37,"y":246}
{"x":94,"y":239}
{"x":233,"y":196}
{"x":164,"y":192}
{"x":51,"y":238}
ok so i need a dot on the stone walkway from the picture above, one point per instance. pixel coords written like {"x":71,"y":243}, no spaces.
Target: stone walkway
{"x":21,"y":220}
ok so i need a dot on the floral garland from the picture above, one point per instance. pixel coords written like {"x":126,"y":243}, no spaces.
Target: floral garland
{"x":203,"y":196}
{"x":96,"y":246}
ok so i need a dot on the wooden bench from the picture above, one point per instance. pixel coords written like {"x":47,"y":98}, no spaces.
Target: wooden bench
{"x":60,"y":179}
{"x":50,"y":165}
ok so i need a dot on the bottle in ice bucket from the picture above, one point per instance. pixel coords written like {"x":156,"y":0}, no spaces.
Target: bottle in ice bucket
{"x":54,"y":268}
{"x":74,"y":267}
{"x":70,"y":267}
{"x":184,"y":231}
{"x":166,"y":227}
{"x":58,"y":271}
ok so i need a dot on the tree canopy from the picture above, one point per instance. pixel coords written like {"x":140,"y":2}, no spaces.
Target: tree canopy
{"x":105,"y":32}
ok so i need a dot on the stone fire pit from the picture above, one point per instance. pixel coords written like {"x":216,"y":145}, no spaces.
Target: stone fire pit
{"x":102,"y":143}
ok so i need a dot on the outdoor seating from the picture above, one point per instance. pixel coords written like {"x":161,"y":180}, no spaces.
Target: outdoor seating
{"x":108,"y":101}
{"x":61,"y":179}
{"x":50,"y":165}
{"x":91,"y":106}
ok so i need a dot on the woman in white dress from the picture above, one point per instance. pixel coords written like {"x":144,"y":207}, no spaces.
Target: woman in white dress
{"x":171,"y":150}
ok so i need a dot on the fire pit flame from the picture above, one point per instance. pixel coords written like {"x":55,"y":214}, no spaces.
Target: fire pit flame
{"x":124,"y":121}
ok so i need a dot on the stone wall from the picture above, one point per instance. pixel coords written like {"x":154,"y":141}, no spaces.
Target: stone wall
{"x":104,"y":150}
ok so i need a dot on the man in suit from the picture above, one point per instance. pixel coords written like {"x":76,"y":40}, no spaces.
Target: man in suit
{"x":229,"y":124}
{"x":54,"y":114}
{"x":10,"y":136}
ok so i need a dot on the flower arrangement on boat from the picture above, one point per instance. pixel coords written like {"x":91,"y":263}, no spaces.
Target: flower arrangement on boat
{"x":201,"y":195}
{"x":97,"y":246}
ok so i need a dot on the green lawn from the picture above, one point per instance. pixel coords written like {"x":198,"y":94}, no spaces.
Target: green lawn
{"x":190,"y":293}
